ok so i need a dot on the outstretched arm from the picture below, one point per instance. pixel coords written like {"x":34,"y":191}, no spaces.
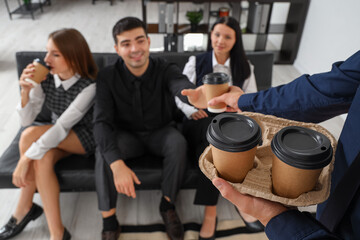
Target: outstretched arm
{"x":313,"y":98}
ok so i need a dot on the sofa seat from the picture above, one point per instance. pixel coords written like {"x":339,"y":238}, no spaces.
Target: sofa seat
{"x":76,"y":172}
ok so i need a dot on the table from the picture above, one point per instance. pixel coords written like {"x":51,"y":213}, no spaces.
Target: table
{"x":28,"y":8}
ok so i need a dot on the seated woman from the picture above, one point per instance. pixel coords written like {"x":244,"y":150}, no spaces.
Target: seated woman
{"x":68,"y":92}
{"x":226,"y":54}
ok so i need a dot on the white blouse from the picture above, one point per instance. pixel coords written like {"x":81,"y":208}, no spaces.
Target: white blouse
{"x":249,"y":85}
{"x":72,"y":115}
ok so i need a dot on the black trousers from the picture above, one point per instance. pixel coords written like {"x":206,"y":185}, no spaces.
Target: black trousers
{"x":166,"y":142}
{"x":195,"y":133}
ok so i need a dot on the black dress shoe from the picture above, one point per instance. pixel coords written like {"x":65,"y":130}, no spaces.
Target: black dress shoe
{"x":173,"y":226}
{"x":213,"y":236}
{"x":12,"y":229}
{"x":252,"y":226}
{"x":111,"y":235}
{"x":66,"y":235}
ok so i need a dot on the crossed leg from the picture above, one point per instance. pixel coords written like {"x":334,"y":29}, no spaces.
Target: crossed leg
{"x":45,"y":180}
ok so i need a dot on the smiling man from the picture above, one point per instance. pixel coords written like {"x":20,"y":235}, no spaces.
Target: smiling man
{"x":134,"y":115}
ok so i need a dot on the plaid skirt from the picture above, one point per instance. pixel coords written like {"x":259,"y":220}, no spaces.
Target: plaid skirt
{"x":86,"y":137}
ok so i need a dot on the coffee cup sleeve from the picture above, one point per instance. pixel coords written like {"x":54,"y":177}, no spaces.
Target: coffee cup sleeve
{"x":31,"y":81}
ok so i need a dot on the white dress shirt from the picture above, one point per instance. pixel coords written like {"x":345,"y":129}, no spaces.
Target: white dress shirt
{"x":63,"y":124}
{"x":249,"y":85}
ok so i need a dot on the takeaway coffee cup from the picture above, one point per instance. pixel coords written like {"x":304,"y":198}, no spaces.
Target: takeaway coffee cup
{"x":40,"y":73}
{"x":233,"y":139}
{"x":216,"y":84}
{"x":299,"y":157}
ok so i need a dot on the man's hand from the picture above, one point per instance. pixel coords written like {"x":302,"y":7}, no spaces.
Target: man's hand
{"x":124,"y":178}
{"x":196,"y":96}
{"x":259,"y":208}
{"x":230,"y":99}
{"x":23,"y":172}
{"x":199,"y":115}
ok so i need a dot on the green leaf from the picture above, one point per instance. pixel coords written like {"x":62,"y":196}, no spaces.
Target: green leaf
{"x":195,"y":17}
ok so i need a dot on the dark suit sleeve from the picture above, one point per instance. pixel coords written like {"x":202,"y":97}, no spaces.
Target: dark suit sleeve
{"x":177,"y":82}
{"x":295,"y":225}
{"x":309,"y":98}
{"x":104,"y":118}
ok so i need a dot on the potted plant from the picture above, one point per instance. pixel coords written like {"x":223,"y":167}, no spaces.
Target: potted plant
{"x":27,"y":4}
{"x":194,"y":18}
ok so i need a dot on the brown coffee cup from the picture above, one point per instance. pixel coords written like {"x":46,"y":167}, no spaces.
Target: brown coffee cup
{"x":233,"y":139}
{"x":215,"y":85}
{"x":39,"y":74}
{"x":300,"y":154}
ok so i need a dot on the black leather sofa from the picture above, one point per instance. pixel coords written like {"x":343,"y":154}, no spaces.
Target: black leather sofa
{"x":76,"y":173}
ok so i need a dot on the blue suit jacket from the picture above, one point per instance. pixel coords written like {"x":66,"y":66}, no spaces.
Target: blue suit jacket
{"x":314,"y":99}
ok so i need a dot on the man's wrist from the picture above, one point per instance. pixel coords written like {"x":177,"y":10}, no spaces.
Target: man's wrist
{"x":273,"y":212}
{"x":117,"y":164}
{"x":244,"y":102}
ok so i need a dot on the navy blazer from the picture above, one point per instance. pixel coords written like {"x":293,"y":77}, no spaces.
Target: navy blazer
{"x":314,"y":99}
{"x":204,"y":65}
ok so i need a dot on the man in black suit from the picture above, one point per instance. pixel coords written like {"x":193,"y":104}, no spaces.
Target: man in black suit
{"x":133,"y":115}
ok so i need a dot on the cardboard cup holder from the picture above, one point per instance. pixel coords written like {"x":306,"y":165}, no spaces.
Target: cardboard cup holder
{"x":258,"y":180}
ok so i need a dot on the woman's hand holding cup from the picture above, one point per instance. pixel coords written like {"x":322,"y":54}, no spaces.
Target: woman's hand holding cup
{"x":32,"y":75}
{"x":26,"y":86}
{"x":27,"y":73}
{"x":38,"y":73}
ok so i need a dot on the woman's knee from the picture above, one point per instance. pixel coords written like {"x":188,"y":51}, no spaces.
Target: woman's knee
{"x":27,"y":138}
{"x":28,"y":133}
{"x":46,"y":163}
{"x":33,"y":133}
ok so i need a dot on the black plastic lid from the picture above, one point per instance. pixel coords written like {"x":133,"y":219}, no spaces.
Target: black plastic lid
{"x":233,"y":132}
{"x":216,"y":78}
{"x":302,"y":147}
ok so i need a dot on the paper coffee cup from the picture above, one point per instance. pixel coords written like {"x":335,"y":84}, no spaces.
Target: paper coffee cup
{"x":39,"y":74}
{"x":300,"y":154}
{"x":233,"y":139}
{"x":215,"y":85}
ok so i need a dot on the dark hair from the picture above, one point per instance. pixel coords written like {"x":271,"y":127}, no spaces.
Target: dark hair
{"x":126,"y":24}
{"x":76,"y":51}
{"x":240,"y":68}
